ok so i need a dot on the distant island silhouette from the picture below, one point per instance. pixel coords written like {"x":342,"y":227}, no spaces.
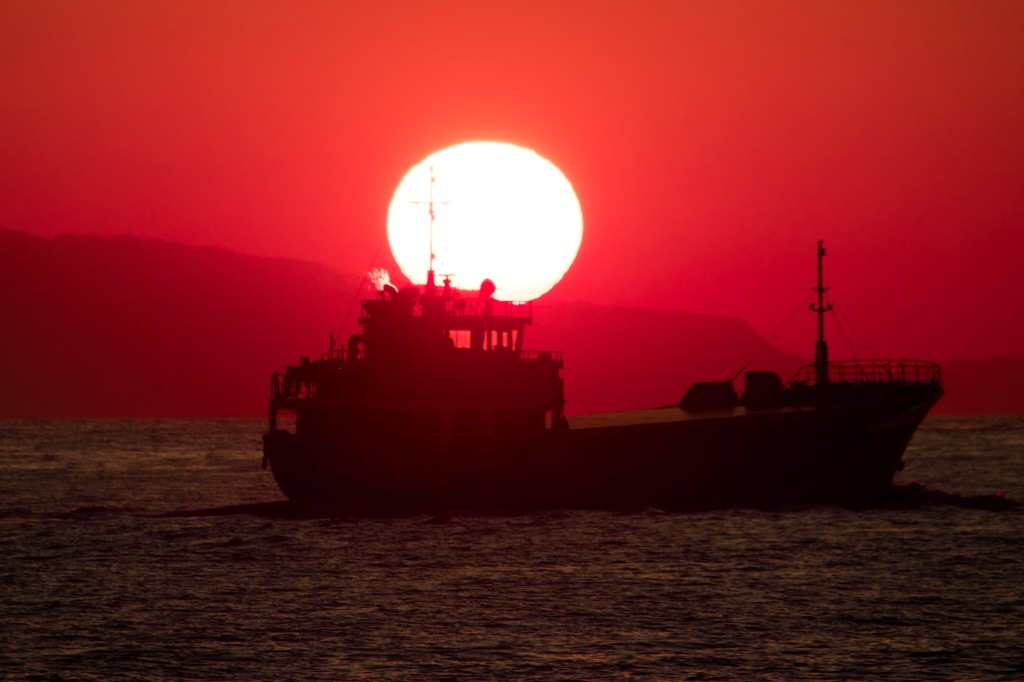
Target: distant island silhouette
{"x":131,"y":327}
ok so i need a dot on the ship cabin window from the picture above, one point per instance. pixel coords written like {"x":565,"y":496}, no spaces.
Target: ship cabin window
{"x":459,"y":337}
{"x":506,"y":340}
{"x":499,"y":340}
{"x":490,"y":339}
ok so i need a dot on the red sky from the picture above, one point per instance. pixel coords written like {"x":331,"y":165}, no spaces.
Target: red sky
{"x":710,"y":143}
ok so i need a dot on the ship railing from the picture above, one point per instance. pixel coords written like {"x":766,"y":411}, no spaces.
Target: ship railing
{"x":289,"y":387}
{"x":341,"y":353}
{"x":482,"y":307}
{"x":874,"y":371}
{"x":461,"y":307}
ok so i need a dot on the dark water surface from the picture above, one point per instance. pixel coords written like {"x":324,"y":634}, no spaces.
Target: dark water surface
{"x":100,"y":580}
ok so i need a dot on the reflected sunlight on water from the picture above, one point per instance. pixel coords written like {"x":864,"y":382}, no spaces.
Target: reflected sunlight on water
{"x":100,"y":583}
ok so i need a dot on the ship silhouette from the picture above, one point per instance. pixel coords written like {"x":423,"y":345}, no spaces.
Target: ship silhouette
{"x":437,"y":404}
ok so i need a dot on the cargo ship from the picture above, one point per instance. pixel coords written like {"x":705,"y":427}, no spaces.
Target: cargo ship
{"x":437,"y":405}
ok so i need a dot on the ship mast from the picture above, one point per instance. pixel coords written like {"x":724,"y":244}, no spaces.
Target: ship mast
{"x":430,"y":203}
{"x":821,"y":347}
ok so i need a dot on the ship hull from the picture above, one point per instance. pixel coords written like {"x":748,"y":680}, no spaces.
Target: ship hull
{"x":665,"y":458}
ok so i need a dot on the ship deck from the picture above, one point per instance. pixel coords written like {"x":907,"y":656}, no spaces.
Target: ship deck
{"x":669,"y":414}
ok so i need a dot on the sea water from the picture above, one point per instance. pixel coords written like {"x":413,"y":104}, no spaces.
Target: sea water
{"x":159,"y":550}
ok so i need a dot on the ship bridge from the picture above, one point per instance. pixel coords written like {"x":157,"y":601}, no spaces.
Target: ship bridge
{"x":398,"y":326}
{"x":435,"y":370}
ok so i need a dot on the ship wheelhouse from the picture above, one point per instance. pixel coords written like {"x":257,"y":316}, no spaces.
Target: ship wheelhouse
{"x":437,"y":372}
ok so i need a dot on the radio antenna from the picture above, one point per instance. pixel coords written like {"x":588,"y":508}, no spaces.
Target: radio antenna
{"x":430,"y":203}
{"x":821,"y":347}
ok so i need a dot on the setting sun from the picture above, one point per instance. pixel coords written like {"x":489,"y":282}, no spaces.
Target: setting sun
{"x":501,"y":212}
